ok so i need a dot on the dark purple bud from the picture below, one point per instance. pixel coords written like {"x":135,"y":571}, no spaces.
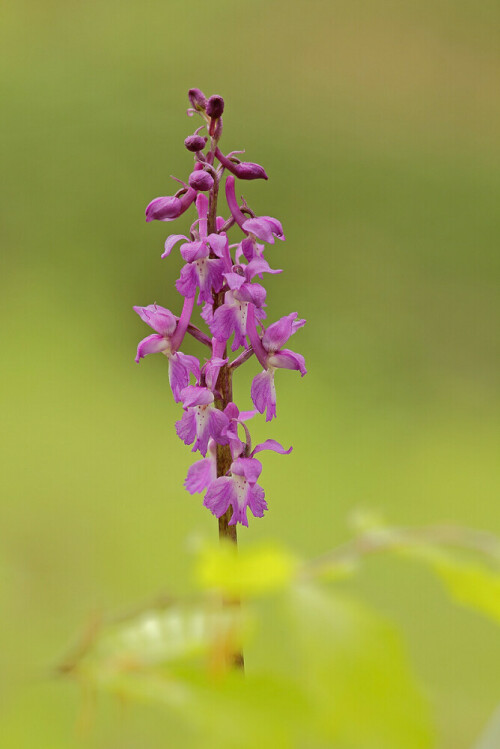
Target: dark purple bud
{"x":195,"y":143}
{"x":243,"y":170}
{"x":198,"y":99}
{"x":249,"y":170}
{"x":164,"y":209}
{"x":201,"y":181}
{"x":215,"y":107}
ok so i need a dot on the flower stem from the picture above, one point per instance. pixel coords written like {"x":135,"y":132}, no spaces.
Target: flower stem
{"x":225,"y":387}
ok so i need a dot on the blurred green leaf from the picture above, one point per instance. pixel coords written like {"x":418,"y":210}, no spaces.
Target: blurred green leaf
{"x":490,"y":739}
{"x":159,"y":639}
{"x":469,"y":582}
{"x":357,"y":676}
{"x":153,"y":657}
{"x":245,"y":572}
{"x":465,"y":560}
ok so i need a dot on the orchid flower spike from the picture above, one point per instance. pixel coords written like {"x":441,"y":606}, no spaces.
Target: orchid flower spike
{"x":225,"y":274}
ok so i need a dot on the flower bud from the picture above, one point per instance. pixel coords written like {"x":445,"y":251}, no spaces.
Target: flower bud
{"x":249,"y":170}
{"x":164,"y":209}
{"x":242,"y":170}
{"x":215,"y":107}
{"x":195,"y":143}
{"x":201,"y":180}
{"x":198,"y":99}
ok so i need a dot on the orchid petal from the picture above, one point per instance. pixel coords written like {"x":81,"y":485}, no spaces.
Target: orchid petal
{"x":250,"y":468}
{"x":257,"y":266}
{"x":279,"y":332}
{"x":193,"y":395}
{"x":256,"y":501}
{"x":153,"y":344}
{"x":164,"y":209}
{"x":263,"y":393}
{"x":219,"y":496}
{"x":194,"y":251}
{"x":171,"y":241}
{"x":186,"y":427}
{"x":286,"y":359}
{"x":187,"y":283}
{"x":218,"y":243}
{"x":158,"y":318}
{"x":271,"y":445}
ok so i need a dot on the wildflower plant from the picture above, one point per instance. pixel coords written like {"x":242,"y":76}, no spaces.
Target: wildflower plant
{"x":336,"y":673}
{"x":223,"y":278}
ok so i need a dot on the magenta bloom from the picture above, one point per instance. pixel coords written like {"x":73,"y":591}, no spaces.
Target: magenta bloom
{"x":169,"y":333}
{"x":261,"y":227}
{"x":270,"y":354}
{"x":202,"y":473}
{"x":264,"y":228}
{"x":201,"y":271}
{"x":201,"y":419}
{"x":240,"y":490}
{"x":231,"y":317}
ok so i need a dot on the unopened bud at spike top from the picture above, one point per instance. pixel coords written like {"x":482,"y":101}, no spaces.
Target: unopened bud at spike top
{"x":215,"y":107}
{"x":198,"y":99}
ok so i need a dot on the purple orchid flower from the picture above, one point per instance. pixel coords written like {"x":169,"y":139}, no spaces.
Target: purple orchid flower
{"x":170,"y":332}
{"x":201,"y":419}
{"x":204,"y":472}
{"x":261,"y":227}
{"x":231,"y":317}
{"x":240,"y":490}
{"x":201,"y":271}
{"x":272,"y":356}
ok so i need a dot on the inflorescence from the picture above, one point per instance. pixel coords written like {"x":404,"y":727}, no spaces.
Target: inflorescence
{"x":222,"y":277}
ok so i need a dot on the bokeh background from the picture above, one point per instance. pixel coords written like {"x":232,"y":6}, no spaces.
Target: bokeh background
{"x":378,"y":125}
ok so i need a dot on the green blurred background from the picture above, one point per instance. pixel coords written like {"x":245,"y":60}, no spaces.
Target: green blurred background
{"x":378,"y":125}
